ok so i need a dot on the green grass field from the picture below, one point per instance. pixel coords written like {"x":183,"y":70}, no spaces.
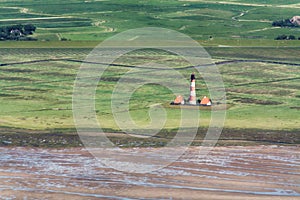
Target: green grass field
{"x":261,"y":79}
{"x":39,"y":95}
{"x":202,"y":20}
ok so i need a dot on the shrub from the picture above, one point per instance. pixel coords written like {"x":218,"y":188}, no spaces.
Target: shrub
{"x":285,"y":37}
{"x":283,"y":23}
{"x":16,"y":32}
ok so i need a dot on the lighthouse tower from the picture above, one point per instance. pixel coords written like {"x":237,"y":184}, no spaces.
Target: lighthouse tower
{"x":192,"y":99}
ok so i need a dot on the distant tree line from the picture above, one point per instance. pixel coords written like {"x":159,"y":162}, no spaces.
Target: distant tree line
{"x":17,"y":32}
{"x":286,"y":37}
{"x":284,"y":23}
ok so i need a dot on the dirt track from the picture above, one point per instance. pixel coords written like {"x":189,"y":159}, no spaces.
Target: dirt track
{"x":257,"y":172}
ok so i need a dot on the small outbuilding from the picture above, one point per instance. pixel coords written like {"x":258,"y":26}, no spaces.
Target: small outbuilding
{"x":179,"y":100}
{"x":205,"y":101}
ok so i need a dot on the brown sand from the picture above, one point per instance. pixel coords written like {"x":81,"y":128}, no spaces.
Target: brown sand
{"x":256,"y":172}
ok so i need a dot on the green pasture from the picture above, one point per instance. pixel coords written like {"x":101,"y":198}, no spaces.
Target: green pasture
{"x":260,"y":94}
{"x":261,"y":78}
{"x":93,"y":20}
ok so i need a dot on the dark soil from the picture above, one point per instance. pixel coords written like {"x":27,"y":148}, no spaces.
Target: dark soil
{"x":295,"y":107}
{"x":257,"y":101}
{"x":69,"y":138}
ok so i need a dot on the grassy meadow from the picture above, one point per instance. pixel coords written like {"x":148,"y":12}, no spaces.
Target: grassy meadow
{"x":261,"y":76}
{"x":92,"y":20}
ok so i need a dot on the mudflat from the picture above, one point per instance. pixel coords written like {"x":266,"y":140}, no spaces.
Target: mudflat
{"x":250,"y":172}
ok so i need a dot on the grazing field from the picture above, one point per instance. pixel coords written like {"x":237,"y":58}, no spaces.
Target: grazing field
{"x":261,"y":75}
{"x":202,"y":20}
{"x":262,"y":86}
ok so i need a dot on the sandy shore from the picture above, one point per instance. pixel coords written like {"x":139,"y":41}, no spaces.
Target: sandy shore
{"x":255,"y":172}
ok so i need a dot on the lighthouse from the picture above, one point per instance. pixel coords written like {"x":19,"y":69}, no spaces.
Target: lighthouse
{"x":192,"y":99}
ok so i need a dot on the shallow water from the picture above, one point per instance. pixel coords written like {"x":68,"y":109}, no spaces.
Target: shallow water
{"x":260,"y":172}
